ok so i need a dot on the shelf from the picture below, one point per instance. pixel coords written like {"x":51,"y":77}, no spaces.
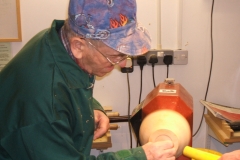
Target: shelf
{"x":221,"y":129}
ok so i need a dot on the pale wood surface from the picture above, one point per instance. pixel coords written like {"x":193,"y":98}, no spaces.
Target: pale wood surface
{"x":221,"y":129}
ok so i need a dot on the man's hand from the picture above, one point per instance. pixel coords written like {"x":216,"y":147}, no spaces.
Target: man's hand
{"x":160,"y":150}
{"x":101,"y":124}
{"x":235,"y":155}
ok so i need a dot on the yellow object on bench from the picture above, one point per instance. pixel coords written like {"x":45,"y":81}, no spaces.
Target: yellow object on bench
{"x":201,"y":154}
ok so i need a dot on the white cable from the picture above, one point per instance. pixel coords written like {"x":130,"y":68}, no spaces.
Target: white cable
{"x":159,"y":45}
{"x":179,"y":24}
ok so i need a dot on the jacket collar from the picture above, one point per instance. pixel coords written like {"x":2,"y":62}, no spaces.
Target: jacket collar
{"x":74,"y":76}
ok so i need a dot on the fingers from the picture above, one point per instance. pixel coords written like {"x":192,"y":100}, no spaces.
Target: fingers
{"x":234,"y":155}
{"x":167,"y":144}
{"x":168,"y":154}
{"x":100,"y":130}
{"x":164,"y":154}
{"x":160,"y":150}
{"x":101,"y":124}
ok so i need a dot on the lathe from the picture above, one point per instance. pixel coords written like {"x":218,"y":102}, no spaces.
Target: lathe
{"x":166,"y":114}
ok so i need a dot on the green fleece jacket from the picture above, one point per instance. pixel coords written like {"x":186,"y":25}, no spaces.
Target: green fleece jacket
{"x":46,"y":105}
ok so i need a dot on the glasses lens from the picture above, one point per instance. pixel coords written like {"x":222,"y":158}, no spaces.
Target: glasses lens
{"x":113,"y":59}
{"x":117,"y":59}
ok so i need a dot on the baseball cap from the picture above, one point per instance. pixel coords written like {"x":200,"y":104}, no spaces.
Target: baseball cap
{"x":113,"y":22}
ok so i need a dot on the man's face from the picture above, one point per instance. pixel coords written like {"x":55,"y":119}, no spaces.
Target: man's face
{"x":95,"y":58}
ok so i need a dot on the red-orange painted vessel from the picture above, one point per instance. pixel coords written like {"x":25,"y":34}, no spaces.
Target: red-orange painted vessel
{"x":173,"y":97}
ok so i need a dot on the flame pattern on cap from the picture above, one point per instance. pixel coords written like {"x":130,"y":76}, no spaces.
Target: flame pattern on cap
{"x":115,"y":23}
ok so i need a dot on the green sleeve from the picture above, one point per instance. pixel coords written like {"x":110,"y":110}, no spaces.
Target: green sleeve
{"x":131,"y":154}
{"x":97,"y":106}
{"x":53,"y":141}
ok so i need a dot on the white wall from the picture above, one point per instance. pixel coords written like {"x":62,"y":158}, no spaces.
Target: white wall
{"x":195,"y":37}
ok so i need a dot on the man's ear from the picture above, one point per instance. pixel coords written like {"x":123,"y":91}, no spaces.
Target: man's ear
{"x":77,"y":46}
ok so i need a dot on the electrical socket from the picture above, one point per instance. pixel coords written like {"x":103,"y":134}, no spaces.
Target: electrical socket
{"x":159,"y":53}
{"x":180,"y":57}
{"x":129,"y":66}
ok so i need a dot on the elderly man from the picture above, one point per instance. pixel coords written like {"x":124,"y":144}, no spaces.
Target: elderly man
{"x":47,"y":111}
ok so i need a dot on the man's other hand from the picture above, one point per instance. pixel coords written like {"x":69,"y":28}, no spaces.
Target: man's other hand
{"x":101,"y":124}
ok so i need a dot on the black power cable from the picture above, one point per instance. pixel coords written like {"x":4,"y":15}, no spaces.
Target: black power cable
{"x":168,"y":59}
{"x":141,"y":61}
{"x":127,"y":69}
{"x":129,"y":98}
{"x":153,"y":59}
{"x":210,"y":72}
